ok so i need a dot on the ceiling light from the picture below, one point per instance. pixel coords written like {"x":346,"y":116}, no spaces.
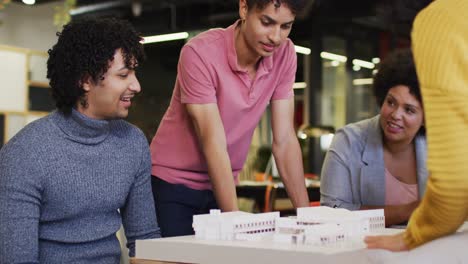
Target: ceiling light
{"x":165,"y":37}
{"x":335,"y":63}
{"x":29,"y":2}
{"x":364,"y":81}
{"x":375,"y":60}
{"x":301,"y":134}
{"x":302,"y":50}
{"x":332,"y":56}
{"x":364,"y":64}
{"x":356,"y":67}
{"x":299,"y":85}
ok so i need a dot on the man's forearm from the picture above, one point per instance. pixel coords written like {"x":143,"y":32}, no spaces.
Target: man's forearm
{"x":220,"y":172}
{"x":288,"y":158}
{"x":210,"y":132}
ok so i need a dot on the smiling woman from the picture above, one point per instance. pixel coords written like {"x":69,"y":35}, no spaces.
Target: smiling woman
{"x":401,"y":117}
{"x":380,"y":162}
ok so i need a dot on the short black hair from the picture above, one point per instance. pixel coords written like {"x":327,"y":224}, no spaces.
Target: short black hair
{"x":84,"y":49}
{"x":294,"y":5}
{"x":397,"y":69}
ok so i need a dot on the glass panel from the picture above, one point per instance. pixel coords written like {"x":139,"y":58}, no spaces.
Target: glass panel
{"x":361,"y":102}
{"x":334,"y":79}
{"x":347,"y":94}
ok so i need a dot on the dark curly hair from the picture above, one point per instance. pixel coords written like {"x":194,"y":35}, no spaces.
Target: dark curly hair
{"x":397,"y":69}
{"x":84,"y":49}
{"x":294,"y":5}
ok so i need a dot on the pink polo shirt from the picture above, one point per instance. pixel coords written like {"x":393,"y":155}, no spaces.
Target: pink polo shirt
{"x":208,"y":73}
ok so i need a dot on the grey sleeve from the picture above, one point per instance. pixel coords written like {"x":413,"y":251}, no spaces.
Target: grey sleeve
{"x":20,"y":203}
{"x":335,"y":182}
{"x":139,"y":214}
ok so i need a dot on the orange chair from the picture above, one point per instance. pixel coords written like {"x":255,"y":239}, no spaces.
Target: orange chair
{"x":270,"y":196}
{"x":311,"y":176}
{"x":314,"y":203}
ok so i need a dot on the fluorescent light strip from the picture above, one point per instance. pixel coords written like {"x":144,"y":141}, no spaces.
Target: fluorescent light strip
{"x":165,"y":37}
{"x":97,"y":7}
{"x":299,"y":85}
{"x":302,"y":50}
{"x":335,"y":63}
{"x":29,"y":2}
{"x":332,"y":56}
{"x":364,"y":64}
{"x":365,"y":81}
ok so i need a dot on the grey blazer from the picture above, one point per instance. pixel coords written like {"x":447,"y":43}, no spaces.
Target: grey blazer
{"x":353,"y":172}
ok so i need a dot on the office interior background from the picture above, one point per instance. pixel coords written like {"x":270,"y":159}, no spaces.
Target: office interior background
{"x":339,"y":46}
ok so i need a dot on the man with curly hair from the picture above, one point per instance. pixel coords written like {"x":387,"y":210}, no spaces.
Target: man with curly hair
{"x":68,"y":181}
{"x":226,"y":79}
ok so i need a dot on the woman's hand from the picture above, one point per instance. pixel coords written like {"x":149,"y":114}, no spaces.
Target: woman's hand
{"x":392,"y":242}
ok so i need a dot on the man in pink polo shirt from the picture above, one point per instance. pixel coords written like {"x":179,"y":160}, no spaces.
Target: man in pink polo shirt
{"x":226,"y":78}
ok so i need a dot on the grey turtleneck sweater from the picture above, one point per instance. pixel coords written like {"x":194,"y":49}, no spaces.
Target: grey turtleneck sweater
{"x":67,"y":183}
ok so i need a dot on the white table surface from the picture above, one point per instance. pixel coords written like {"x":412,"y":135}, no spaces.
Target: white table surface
{"x":188,"y":249}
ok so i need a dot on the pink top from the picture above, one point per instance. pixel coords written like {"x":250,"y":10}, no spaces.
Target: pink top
{"x":397,"y":192}
{"x":208,"y":73}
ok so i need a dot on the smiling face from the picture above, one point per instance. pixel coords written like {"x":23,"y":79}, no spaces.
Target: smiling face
{"x":264,"y":30}
{"x":401,"y":115}
{"x":110,"y":97}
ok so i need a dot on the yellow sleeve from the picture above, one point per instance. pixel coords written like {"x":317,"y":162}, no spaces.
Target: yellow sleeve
{"x":440,"y":47}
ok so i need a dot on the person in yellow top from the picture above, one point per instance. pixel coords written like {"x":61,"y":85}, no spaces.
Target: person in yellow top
{"x":440,"y":47}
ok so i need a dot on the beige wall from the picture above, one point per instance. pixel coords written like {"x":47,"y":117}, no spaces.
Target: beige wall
{"x":28,"y":27}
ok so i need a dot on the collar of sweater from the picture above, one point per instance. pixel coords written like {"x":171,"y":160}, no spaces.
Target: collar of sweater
{"x":80,"y":128}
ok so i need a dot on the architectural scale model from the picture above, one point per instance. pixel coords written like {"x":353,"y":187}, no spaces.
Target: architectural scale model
{"x":233,"y":225}
{"x":313,"y":225}
{"x":324,"y":225}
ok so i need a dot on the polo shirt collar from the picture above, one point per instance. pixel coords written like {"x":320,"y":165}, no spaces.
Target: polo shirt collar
{"x":265,"y":62}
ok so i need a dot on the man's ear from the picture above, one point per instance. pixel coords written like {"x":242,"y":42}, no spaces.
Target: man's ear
{"x":243,"y":9}
{"x":86,"y":82}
